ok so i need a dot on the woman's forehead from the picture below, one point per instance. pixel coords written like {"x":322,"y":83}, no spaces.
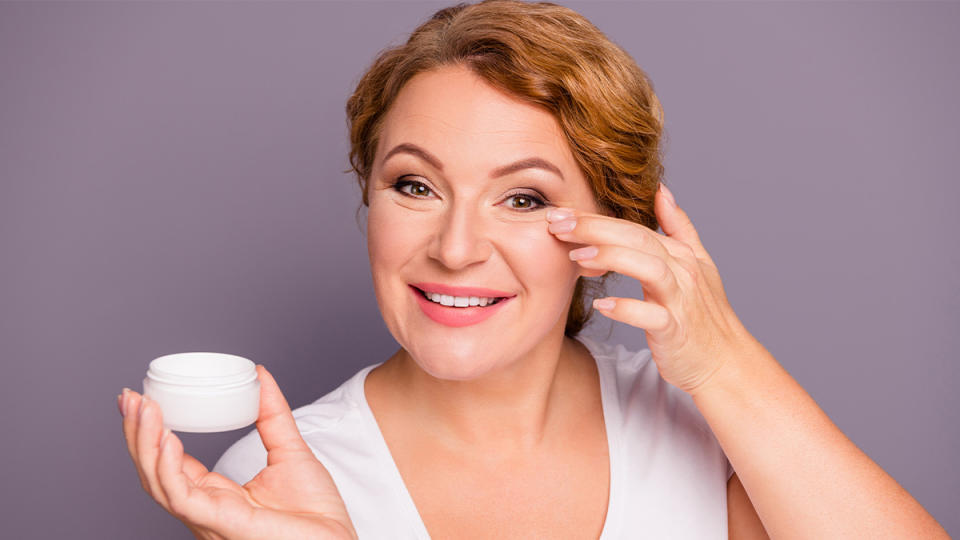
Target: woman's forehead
{"x":454,"y":107}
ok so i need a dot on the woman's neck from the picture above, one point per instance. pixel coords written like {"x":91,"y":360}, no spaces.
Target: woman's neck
{"x":518,"y":407}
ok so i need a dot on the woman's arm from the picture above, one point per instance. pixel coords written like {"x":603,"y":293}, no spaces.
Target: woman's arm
{"x":743,"y":523}
{"x":805,"y":478}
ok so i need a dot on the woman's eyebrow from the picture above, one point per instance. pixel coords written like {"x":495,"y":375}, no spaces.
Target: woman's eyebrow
{"x":526,"y":163}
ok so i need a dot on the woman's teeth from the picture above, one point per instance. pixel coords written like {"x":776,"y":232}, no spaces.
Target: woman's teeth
{"x":460,"y":301}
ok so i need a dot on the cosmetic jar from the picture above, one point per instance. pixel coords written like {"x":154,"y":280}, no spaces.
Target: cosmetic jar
{"x":203,"y":392}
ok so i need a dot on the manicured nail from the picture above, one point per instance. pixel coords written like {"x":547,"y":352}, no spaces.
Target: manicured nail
{"x":559,"y":213}
{"x":604,"y":303}
{"x":583,"y":253}
{"x":668,"y":195}
{"x":564,"y":226}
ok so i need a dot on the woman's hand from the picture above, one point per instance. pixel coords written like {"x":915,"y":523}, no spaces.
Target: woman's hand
{"x":293,"y":497}
{"x":691,"y":328}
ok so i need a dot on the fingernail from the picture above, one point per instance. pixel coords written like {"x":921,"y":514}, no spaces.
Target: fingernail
{"x":143,"y":402}
{"x":583,"y":253}
{"x":120,"y":403}
{"x":559,"y":213}
{"x":668,"y":195}
{"x":604,"y":303}
{"x":566,"y":225}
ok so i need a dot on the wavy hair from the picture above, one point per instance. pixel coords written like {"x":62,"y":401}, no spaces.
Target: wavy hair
{"x":549,"y":56}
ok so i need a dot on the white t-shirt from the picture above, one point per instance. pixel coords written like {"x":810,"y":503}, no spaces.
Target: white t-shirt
{"x":668,"y":474}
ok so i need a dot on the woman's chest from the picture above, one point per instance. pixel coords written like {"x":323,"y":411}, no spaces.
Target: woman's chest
{"x":556,"y":504}
{"x":565,"y":495}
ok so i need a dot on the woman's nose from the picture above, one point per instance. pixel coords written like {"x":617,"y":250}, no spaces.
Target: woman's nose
{"x":461,"y":240}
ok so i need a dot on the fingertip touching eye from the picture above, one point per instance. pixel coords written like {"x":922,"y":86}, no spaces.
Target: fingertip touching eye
{"x":528,"y":201}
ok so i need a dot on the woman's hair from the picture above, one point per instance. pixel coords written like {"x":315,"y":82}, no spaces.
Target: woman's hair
{"x":546,"y":55}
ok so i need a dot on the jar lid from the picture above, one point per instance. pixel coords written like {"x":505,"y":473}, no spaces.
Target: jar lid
{"x":202,"y":369}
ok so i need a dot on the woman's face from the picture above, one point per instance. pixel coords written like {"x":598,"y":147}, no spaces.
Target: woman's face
{"x":447,"y":212}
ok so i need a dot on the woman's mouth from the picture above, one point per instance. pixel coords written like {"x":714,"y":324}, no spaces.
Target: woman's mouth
{"x":458,"y":311}
{"x":460,"y":301}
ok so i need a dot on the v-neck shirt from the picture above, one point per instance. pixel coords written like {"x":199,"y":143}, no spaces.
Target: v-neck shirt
{"x":668,"y":474}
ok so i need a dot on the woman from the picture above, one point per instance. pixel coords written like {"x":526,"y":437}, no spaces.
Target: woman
{"x":509,"y":153}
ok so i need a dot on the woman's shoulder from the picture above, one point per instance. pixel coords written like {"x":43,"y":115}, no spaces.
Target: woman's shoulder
{"x":320,"y":423}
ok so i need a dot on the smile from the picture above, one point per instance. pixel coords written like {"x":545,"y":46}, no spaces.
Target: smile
{"x":458,"y":311}
{"x":460,"y":301}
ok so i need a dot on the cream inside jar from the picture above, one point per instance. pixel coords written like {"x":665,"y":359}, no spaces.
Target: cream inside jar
{"x":203,"y":392}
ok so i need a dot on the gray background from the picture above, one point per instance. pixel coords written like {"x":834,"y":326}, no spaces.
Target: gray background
{"x":173,"y":180}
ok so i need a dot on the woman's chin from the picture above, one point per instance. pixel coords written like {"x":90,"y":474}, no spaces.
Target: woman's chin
{"x":453,"y":368}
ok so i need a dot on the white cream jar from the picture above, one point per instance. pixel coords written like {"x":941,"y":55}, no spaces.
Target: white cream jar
{"x":203,"y":392}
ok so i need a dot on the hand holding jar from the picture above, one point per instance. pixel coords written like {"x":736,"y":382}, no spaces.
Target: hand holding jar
{"x":294,"y":496}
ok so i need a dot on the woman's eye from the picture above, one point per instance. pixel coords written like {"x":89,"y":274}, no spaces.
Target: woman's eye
{"x":417,"y":189}
{"x":526,"y":201}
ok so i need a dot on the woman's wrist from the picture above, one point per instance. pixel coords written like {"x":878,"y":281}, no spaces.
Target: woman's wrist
{"x":735,"y":367}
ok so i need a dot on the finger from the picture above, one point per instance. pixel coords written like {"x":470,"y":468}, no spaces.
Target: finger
{"x":148,"y":447}
{"x":192,"y":467}
{"x":184,"y":500}
{"x":701,"y":264}
{"x":188,"y":501}
{"x":278,"y":430}
{"x":173,"y":481}
{"x":654,"y":274}
{"x":131,"y":404}
{"x":676,"y":223}
{"x":676,"y":248}
{"x":596,"y":229}
{"x":683,"y":258}
{"x":639,"y":313}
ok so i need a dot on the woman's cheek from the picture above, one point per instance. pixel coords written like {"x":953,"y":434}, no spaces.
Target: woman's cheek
{"x":388,"y":232}
{"x":538,"y":254}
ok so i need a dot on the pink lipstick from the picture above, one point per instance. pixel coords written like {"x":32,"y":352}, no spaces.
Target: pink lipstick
{"x":458,"y":316}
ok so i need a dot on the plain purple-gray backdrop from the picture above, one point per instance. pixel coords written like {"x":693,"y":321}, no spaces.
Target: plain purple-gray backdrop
{"x":173,"y":180}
